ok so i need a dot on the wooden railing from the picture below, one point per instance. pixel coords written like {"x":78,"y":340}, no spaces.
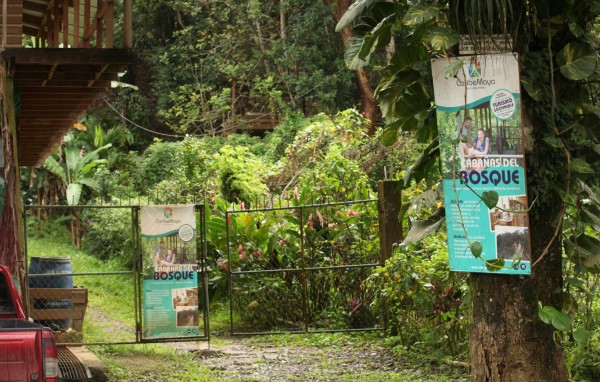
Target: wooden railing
{"x":75,"y":23}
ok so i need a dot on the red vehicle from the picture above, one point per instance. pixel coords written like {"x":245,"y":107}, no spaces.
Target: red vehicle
{"x":27,"y":350}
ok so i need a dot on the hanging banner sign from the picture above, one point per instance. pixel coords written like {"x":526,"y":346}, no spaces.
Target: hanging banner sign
{"x":170,"y":282}
{"x":481,"y":148}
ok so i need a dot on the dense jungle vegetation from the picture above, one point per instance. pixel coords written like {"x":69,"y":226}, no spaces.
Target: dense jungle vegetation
{"x":177,"y":128}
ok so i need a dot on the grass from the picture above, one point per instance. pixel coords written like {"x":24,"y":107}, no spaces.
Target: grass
{"x":110,"y":318}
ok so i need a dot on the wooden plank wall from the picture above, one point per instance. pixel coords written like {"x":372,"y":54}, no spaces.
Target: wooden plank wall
{"x":14,"y":24}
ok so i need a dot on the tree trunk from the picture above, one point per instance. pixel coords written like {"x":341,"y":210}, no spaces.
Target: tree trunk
{"x":369,"y":107}
{"x":11,"y":221}
{"x":508,"y":342}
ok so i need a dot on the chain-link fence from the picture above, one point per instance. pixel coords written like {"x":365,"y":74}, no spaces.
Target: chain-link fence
{"x":95,"y":295}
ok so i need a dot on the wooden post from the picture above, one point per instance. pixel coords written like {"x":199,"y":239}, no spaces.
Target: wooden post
{"x":99,"y":24}
{"x":110,"y":24}
{"x":65,"y":23}
{"x":55,"y":25}
{"x":128,"y":23}
{"x":76,"y":23}
{"x":87,"y":13}
{"x":389,"y":193}
{"x":390,"y":227}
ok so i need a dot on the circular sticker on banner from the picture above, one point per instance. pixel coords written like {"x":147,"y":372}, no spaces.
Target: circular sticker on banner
{"x":186,"y":232}
{"x":503,"y":104}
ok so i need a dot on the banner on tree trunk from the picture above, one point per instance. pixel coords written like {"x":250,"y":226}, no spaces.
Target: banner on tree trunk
{"x":478,"y":105}
{"x":170,"y":283}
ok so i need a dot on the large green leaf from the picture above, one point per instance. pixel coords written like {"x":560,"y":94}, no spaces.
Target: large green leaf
{"x":421,"y":167}
{"x":72,"y":159}
{"x":380,"y":36}
{"x":420,"y":229}
{"x":443,"y":38}
{"x":582,"y":336}
{"x":414,"y":102}
{"x":73,"y":193}
{"x":90,"y":182}
{"x":355,"y":10}
{"x":406,"y":56}
{"x":419,"y":14}
{"x":584,"y":250}
{"x":391,"y":89}
{"x":490,"y":198}
{"x":89,"y":157}
{"x":451,"y":70}
{"x":577,"y":61}
{"x":352,"y":54}
{"x":494,"y":265}
{"x":390,"y":135}
{"x":52,"y":165}
{"x":556,"y":318}
{"x":580,"y":166}
{"x":476,"y":249}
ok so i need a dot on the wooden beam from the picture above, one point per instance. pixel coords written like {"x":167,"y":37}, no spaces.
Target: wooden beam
{"x":56,"y":24}
{"x":128,"y":23}
{"x":100,"y":6}
{"x":76,"y":22}
{"x":51,"y":74}
{"x":54,"y":103}
{"x":66,"y":97}
{"x":63,"y":76}
{"x":98,"y":74}
{"x":61,"y":83}
{"x":110,"y":23}
{"x":59,"y":91}
{"x":69,"y":56}
{"x":87,"y":13}
{"x":65,"y":23}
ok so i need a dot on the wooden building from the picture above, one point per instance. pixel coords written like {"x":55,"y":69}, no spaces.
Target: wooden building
{"x":58,"y":57}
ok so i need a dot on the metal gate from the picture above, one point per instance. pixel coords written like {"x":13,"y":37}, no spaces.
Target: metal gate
{"x":302,"y":268}
{"x":69,"y":295}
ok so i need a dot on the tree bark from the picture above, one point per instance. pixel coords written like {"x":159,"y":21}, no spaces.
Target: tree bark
{"x":369,"y":106}
{"x":508,"y":341}
{"x":11,"y":222}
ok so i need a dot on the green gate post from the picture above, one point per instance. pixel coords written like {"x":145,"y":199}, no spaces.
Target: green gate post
{"x":389,"y":193}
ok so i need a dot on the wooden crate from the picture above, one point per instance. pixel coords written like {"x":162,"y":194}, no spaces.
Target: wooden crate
{"x":79,"y":296}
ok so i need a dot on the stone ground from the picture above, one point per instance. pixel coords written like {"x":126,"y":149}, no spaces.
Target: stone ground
{"x":259,"y":359}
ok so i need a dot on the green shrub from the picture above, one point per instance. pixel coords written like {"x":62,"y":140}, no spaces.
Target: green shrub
{"x":108,"y":233}
{"x":427,"y":304}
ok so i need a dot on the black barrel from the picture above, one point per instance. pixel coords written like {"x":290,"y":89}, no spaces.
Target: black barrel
{"x":58,"y":273}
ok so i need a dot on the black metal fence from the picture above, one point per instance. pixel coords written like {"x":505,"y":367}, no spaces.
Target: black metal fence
{"x":302,"y":268}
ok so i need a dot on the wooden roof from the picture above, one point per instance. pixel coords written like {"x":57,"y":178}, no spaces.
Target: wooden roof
{"x":53,"y":87}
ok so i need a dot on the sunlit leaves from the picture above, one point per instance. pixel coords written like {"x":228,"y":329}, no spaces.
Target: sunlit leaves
{"x":582,"y":336}
{"x":352,"y":54}
{"x":452,"y":69}
{"x":443,"y":38}
{"x":419,"y":14}
{"x":379,"y":37}
{"x":355,"y":10}
{"x":577,"y":61}
{"x":420,"y":229}
{"x":580,"y":166}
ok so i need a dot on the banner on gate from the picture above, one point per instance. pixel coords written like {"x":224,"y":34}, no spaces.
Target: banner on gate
{"x":170,"y":283}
